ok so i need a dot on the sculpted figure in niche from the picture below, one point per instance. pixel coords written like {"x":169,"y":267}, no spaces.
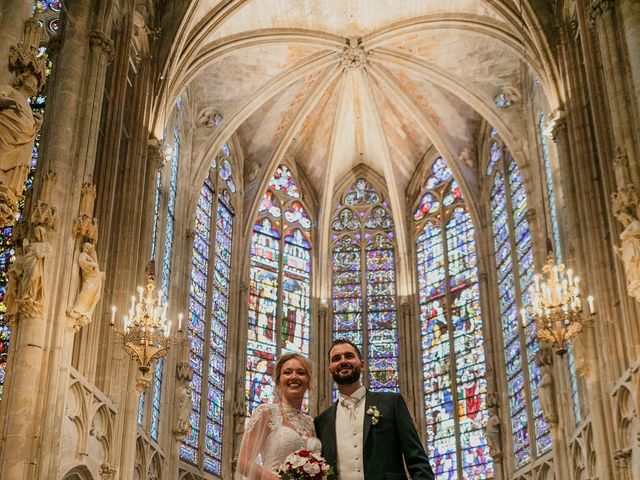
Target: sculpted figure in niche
{"x":492,"y":432}
{"x":546,"y":389}
{"x":18,"y":128}
{"x":184,"y":409}
{"x":91,"y":288}
{"x":31,"y":291}
{"x":629,"y":251}
{"x":13,"y":283}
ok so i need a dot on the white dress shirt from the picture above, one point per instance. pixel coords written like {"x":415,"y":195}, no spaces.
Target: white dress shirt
{"x":349,"y":441}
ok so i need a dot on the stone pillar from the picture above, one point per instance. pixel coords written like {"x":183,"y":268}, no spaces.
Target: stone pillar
{"x":614,"y":70}
{"x":630,"y":17}
{"x":27,"y":356}
{"x":13,"y":14}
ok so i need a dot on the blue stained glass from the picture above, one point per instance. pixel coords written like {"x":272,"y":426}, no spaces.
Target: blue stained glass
{"x":196,"y":326}
{"x":141,"y":409}
{"x":514,"y":260}
{"x":279,"y":281}
{"x":155,"y":403}
{"x":156,"y":213}
{"x":370,"y":321}
{"x":453,"y":355}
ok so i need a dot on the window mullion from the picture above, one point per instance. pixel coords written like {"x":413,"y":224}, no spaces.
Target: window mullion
{"x":206,"y":353}
{"x":518,"y":299}
{"x":280,"y":300}
{"x":365,"y":304}
{"x":452,"y":346}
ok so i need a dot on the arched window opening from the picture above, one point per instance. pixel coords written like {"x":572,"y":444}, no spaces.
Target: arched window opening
{"x":515,"y":268}
{"x":557,"y":248}
{"x":209,"y":294}
{"x":279,"y":284}
{"x":364,"y":282}
{"x":453,"y":354}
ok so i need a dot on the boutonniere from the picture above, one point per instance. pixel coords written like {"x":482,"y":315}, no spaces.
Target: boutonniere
{"x":374,"y":413}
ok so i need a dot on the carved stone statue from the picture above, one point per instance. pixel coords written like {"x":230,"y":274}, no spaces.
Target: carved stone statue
{"x":625,"y":208}
{"x":492,"y":432}
{"x":91,"y":288}
{"x":629,"y":252}
{"x":18,"y":128}
{"x":32,"y":288}
{"x":546,"y":388}
{"x":183,"y":426}
{"x":13,"y":283}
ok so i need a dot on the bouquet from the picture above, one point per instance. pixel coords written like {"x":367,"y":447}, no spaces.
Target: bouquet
{"x":304,"y":465}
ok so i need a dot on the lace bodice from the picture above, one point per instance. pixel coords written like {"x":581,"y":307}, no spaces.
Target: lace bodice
{"x":289,"y":430}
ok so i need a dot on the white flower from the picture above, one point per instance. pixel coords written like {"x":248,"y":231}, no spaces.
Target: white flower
{"x":311,"y":468}
{"x":314,"y":445}
{"x":374,"y":413}
{"x":295,"y":461}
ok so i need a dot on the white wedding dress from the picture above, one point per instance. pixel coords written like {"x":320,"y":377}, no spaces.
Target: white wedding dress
{"x":273,"y":432}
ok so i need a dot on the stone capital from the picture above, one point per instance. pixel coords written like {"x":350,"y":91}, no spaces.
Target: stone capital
{"x":621,"y":458}
{"x":108,"y":472}
{"x":155,"y":153}
{"x":598,"y":8}
{"x":559,"y":127}
{"x":99,"y":40}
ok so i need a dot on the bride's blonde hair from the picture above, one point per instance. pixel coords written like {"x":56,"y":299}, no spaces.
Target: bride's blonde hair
{"x":284,"y":358}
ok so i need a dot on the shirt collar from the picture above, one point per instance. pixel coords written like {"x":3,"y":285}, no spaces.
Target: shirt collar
{"x":356,"y":396}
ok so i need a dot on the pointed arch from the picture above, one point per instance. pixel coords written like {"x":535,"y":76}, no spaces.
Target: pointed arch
{"x":453,"y":353}
{"x":209,"y":296}
{"x":363,"y":253}
{"x":279,"y":283}
{"x":514,"y":263}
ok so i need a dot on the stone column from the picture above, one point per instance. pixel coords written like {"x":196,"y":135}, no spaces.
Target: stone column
{"x":614,"y":70}
{"x":630,"y":17}
{"x":27,"y":356}
{"x":13,"y":14}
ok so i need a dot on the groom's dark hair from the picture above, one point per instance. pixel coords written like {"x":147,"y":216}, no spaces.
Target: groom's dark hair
{"x":340,"y":341}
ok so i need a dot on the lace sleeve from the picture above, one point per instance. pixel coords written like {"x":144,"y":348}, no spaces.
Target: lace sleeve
{"x":257,"y":428}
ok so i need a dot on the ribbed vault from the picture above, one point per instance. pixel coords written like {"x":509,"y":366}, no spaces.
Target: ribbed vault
{"x":335,"y":84}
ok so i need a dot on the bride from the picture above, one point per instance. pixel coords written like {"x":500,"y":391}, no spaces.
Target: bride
{"x":278,"y":429}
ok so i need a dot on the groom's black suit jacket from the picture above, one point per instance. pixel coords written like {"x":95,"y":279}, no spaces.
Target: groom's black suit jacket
{"x":385,"y":444}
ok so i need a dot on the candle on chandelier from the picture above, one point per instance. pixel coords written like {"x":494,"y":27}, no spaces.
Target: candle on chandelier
{"x":112,"y":322}
{"x":179,"y":322}
{"x":592,"y":309}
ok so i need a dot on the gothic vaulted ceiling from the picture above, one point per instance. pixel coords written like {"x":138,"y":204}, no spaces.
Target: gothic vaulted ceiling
{"x":336,"y":83}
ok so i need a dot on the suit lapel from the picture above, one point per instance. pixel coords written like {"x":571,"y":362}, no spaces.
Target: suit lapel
{"x":371,"y":398}
{"x":332,"y":447}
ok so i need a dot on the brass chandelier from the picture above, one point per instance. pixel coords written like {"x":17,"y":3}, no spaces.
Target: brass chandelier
{"x":556,"y":305}
{"x":146,"y":334}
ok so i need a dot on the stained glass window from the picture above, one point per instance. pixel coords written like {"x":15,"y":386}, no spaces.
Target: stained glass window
{"x":364,"y":282}
{"x":155,"y":406}
{"x":156,"y":390}
{"x":208,"y":317}
{"x":279,"y":284}
{"x":453,"y":355}
{"x":514,"y":263}
{"x":7,"y":251}
{"x":557,"y":248}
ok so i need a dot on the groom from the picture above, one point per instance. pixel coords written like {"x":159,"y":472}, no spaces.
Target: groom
{"x":367,"y":435}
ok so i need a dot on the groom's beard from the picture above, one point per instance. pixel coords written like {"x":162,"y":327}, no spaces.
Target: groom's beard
{"x":347,"y":378}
